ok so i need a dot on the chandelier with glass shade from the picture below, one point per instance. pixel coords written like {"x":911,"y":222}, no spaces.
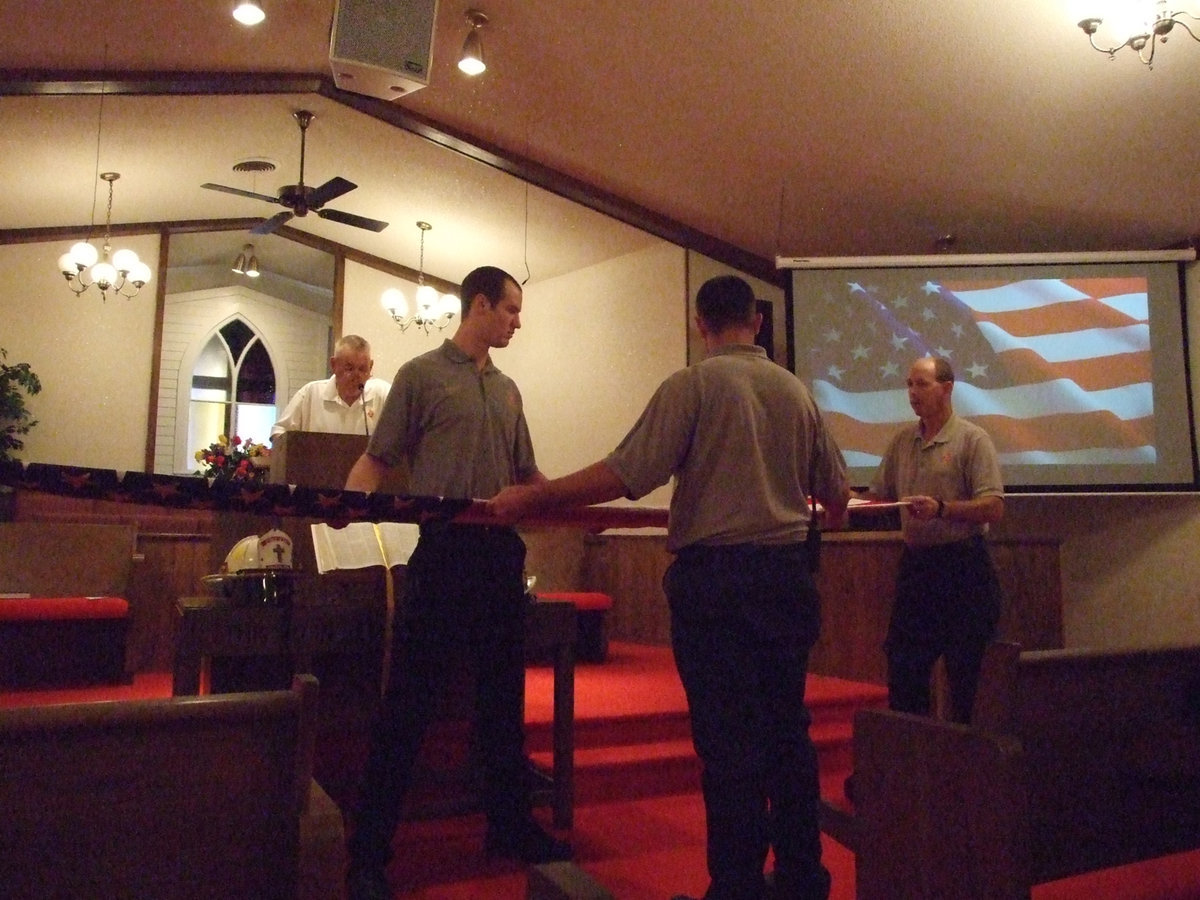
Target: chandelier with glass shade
{"x":1140,"y":25}
{"x":84,"y":266}
{"x":431,"y":309}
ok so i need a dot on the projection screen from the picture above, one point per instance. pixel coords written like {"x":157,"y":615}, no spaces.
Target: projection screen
{"x":1077,"y":370}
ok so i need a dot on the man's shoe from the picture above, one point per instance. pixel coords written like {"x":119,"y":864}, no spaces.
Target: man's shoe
{"x":526,"y":842}
{"x":367,"y":884}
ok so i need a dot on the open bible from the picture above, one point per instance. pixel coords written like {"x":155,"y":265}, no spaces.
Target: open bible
{"x":362,"y":544}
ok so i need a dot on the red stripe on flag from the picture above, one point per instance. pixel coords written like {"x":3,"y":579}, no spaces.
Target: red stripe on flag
{"x":1068,"y":431}
{"x":1024,"y":367}
{"x":1056,"y":318}
{"x":1109,"y":287}
{"x":863,"y":436}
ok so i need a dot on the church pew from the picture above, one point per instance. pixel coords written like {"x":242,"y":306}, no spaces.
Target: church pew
{"x":188,"y":798}
{"x":1075,"y":761}
{"x":64,"y":617}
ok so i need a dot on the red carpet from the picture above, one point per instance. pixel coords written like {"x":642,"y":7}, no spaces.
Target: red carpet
{"x":639,"y":823}
{"x":145,"y":686}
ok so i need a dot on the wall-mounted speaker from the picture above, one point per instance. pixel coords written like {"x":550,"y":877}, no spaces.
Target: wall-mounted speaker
{"x":382,"y":48}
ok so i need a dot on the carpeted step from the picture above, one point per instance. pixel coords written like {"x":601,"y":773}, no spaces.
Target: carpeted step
{"x":631,"y":756}
{"x":612,"y":731}
{"x":632,"y":771}
{"x":657,"y":762}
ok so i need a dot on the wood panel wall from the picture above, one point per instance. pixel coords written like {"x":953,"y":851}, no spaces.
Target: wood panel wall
{"x":857,"y":580}
{"x":857,"y":584}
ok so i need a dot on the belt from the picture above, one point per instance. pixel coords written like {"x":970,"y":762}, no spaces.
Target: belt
{"x":727,"y":551}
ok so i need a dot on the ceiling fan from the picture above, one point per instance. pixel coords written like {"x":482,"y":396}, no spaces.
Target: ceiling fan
{"x":300,"y":199}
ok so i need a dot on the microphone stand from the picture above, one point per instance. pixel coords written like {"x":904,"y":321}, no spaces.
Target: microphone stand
{"x":362,"y":398}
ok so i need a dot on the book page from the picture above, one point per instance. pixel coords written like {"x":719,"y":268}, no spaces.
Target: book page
{"x":399,"y":539}
{"x":353,"y":546}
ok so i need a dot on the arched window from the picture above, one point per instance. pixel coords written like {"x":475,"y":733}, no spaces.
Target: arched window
{"x":232,"y":390}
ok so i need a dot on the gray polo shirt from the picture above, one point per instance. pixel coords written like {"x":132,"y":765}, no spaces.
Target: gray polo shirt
{"x":957,"y":463}
{"x":737,"y":432}
{"x":461,"y":430}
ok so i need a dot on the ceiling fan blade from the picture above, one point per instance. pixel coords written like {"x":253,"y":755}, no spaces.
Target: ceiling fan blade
{"x":334,"y":187}
{"x":346,"y":218}
{"x":240,"y":192}
{"x":268,"y":225}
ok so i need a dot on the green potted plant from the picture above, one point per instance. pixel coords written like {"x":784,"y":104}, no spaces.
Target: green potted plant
{"x":16,"y":382}
{"x":15,"y":420}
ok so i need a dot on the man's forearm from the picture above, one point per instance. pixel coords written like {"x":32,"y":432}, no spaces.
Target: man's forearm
{"x":989,"y":509}
{"x":596,"y":483}
{"x":835,"y":508}
{"x":365,"y":474}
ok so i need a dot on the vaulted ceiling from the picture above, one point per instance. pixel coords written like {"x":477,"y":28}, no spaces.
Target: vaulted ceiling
{"x":761,"y":128}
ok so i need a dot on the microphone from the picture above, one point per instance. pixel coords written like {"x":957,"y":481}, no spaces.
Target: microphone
{"x":362,"y":398}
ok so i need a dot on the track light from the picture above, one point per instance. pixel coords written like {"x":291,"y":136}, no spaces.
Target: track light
{"x":471,"y":61}
{"x":248,"y":12}
{"x":246,"y":262}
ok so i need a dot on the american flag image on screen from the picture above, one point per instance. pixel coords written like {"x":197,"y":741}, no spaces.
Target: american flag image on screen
{"x":1058,"y":371}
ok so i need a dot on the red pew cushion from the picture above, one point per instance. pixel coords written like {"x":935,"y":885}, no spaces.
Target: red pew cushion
{"x":26,"y":609}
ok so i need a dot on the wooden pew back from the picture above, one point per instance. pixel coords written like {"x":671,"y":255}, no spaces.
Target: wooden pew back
{"x":1112,"y":756}
{"x":1075,"y":761}
{"x":181,"y":798}
{"x":57,"y":559}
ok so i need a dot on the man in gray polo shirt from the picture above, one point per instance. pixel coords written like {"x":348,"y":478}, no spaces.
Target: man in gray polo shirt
{"x":459,"y":424}
{"x":746,"y":446}
{"x":947,"y":594}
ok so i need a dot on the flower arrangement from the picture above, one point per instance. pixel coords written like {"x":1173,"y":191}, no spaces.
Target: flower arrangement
{"x":232,"y":459}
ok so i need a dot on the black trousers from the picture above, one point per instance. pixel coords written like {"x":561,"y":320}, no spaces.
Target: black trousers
{"x":465,"y":607}
{"x":947,"y":605}
{"x":743,"y":621}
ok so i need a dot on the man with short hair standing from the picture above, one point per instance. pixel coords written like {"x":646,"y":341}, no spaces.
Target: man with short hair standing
{"x":746,"y":445}
{"x":947,"y":593}
{"x":347,"y":402}
{"x":459,"y":424}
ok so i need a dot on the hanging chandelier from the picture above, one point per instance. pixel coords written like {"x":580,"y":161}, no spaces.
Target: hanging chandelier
{"x":1141,"y":26}
{"x":432,"y":309}
{"x":121,"y":272}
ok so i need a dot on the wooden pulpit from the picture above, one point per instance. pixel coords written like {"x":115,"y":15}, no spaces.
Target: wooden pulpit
{"x":319,"y":460}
